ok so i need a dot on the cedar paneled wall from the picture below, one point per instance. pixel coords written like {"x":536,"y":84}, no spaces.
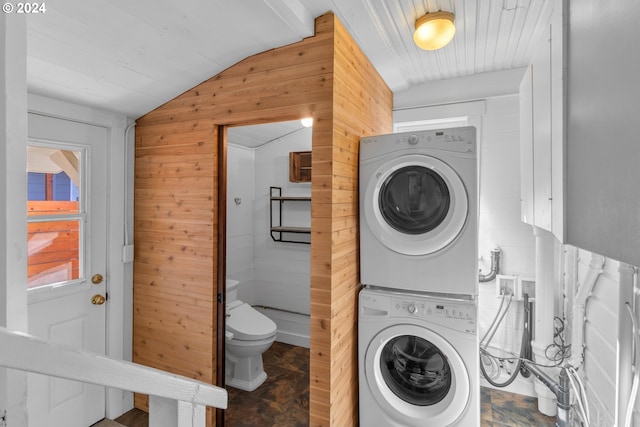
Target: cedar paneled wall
{"x":362,"y":105}
{"x":175,"y":271}
{"x":175,"y":234}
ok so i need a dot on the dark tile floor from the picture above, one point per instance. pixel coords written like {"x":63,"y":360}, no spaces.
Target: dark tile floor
{"x":283,"y":400}
{"x":503,"y":409}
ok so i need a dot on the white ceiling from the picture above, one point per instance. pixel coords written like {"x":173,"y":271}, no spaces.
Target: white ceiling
{"x":131,"y":56}
{"x":257,"y":135}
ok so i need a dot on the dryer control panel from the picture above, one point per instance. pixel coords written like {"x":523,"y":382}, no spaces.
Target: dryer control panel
{"x":458,"y":140}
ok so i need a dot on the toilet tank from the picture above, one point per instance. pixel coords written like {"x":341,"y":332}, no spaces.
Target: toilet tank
{"x":232,"y":290}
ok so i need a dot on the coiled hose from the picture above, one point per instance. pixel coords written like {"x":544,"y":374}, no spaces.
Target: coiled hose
{"x":525,"y":352}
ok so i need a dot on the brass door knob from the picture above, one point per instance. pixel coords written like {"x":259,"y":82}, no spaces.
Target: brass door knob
{"x":98,"y":299}
{"x":96,"y":279}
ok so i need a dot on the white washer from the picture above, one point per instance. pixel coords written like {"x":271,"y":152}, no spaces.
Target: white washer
{"x":418,"y":211}
{"x":418,"y":360}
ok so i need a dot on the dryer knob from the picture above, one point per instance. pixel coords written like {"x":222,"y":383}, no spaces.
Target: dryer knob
{"x":412,"y":308}
{"x":413,"y":140}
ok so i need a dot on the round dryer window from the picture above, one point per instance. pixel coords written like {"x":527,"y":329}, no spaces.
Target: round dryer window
{"x":414,"y":374}
{"x":414,"y":200}
{"x":416,"y":205}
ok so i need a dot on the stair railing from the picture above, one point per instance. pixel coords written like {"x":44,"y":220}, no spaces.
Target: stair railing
{"x":174,"y":400}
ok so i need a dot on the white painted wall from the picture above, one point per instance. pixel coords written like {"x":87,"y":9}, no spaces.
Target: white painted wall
{"x":499,"y":223}
{"x":240,"y":221}
{"x":499,"y":169}
{"x":463,"y":89}
{"x":284,"y":269}
{"x":600,"y":337}
{"x":271,"y":274}
{"x":13,"y":203}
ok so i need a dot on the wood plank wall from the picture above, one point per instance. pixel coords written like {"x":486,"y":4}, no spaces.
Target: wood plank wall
{"x":175,"y":234}
{"x":175,"y":272}
{"x":362,"y":105}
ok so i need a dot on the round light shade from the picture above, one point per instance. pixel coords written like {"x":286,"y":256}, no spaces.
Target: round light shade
{"x":307,"y":122}
{"x":434,"y":30}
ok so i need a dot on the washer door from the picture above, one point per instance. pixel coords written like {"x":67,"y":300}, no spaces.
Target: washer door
{"x":415,"y":204}
{"x":416,"y":376}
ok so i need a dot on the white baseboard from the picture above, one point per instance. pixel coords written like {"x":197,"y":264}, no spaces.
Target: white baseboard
{"x":293,"y":339}
{"x":293,"y":328}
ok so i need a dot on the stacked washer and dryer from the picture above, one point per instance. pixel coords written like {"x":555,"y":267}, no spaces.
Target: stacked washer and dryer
{"x":417,"y":321}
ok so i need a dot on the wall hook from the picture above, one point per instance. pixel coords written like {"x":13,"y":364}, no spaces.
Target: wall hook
{"x":237,"y":201}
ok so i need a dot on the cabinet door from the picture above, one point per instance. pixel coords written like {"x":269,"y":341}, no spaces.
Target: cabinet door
{"x":542,"y":145}
{"x":603,"y":154}
{"x":526,"y":148}
{"x":558,"y":118}
{"x":541,"y":82}
{"x":300,"y":166}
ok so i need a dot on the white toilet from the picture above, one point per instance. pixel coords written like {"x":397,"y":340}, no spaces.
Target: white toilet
{"x":249,"y":333}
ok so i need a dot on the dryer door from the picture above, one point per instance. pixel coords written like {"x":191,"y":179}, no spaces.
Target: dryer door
{"x":416,"y":376}
{"x":415,"y":204}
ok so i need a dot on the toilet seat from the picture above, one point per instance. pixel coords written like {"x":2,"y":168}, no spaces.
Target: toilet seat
{"x":247,"y":324}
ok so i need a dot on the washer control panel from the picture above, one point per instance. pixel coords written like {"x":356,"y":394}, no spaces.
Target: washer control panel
{"x":424,"y":309}
{"x":456,"y":315}
{"x":460,"y":315}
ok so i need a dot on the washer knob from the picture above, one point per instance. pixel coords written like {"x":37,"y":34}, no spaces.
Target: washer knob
{"x":412,"y":308}
{"x":413,"y":140}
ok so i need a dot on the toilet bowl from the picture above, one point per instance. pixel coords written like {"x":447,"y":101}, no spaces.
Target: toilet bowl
{"x":249,"y":333}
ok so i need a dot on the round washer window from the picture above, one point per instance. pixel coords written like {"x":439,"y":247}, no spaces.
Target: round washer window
{"x":414,"y":200}
{"x":415,"y":370}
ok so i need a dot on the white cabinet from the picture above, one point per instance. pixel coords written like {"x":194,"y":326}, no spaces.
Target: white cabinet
{"x":558,"y":121}
{"x":603,"y":146}
{"x":526,"y":148}
{"x":541,"y":134}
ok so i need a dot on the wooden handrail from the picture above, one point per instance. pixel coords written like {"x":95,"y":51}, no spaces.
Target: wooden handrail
{"x":28,"y":353}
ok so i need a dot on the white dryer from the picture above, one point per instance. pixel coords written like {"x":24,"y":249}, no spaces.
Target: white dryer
{"x":418,"y":360}
{"x":418,"y":211}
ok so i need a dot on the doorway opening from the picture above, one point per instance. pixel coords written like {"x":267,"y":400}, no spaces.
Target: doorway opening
{"x":271,"y":275}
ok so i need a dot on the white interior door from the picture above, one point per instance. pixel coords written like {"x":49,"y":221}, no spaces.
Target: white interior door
{"x":67,"y":244}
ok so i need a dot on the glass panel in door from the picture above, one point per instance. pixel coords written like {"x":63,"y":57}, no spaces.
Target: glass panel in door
{"x":54,"y":214}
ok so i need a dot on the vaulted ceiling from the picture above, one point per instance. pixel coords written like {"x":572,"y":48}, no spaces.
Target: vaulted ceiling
{"x":132,"y":56}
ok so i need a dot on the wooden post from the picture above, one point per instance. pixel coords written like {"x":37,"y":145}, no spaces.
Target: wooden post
{"x":165,"y":412}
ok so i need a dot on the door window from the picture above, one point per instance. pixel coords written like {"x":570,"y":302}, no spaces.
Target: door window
{"x":54,"y":216}
{"x":415,"y":370}
{"x":414,"y":200}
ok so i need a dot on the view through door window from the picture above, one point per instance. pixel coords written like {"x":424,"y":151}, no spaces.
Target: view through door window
{"x":55,"y":216}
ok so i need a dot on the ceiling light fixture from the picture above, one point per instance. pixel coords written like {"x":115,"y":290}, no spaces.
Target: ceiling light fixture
{"x":307,"y":122}
{"x":434,"y":30}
